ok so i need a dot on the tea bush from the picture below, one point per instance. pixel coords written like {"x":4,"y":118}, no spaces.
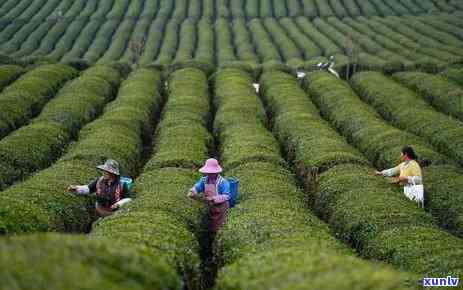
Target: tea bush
{"x":39,"y":144}
{"x":25,"y":97}
{"x":443,"y":94}
{"x":75,"y":261}
{"x":8,"y":74}
{"x":182,"y":137}
{"x":404,"y":109}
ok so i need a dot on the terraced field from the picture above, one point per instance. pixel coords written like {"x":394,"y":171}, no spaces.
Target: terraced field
{"x":162,"y":85}
{"x":326,"y":127}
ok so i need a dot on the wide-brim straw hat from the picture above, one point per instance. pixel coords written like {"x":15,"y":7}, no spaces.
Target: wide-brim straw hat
{"x":111,"y":166}
{"x":211,"y":166}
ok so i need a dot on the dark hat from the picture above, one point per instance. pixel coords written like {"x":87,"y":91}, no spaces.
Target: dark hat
{"x":111,"y":166}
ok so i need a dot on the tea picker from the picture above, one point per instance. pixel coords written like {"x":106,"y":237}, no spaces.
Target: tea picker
{"x":409,"y":175}
{"x":328,"y":66}
{"x":219,"y":193}
{"x":301,"y":74}
{"x":111,"y":189}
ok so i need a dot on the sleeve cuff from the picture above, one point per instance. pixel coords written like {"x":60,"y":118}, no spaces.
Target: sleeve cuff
{"x":193,"y":193}
{"x":222,"y":198}
{"x":83,"y":189}
{"x":388,"y":172}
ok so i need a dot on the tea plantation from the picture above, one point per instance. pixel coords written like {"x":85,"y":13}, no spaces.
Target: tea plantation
{"x":162,"y":85}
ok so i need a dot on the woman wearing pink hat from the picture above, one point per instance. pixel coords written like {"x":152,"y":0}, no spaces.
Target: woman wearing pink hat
{"x":216,"y":191}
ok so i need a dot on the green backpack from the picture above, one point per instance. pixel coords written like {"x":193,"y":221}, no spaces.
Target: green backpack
{"x":127,"y":184}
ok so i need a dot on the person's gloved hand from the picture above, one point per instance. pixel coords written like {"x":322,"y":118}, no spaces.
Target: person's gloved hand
{"x":192,"y":194}
{"x":220,"y":198}
{"x":79,"y":189}
{"x":72,"y":188}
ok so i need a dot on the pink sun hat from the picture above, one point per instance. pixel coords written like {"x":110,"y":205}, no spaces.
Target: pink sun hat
{"x":211,"y":166}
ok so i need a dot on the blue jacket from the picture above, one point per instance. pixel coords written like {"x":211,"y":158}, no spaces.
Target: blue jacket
{"x":223,"y":186}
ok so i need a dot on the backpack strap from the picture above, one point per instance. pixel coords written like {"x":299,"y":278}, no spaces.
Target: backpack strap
{"x":220,"y":180}
{"x":119,"y":191}
{"x":98,"y":185}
